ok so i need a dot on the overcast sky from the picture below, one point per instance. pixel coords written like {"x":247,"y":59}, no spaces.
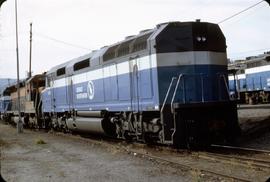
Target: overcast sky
{"x":92,"y":24}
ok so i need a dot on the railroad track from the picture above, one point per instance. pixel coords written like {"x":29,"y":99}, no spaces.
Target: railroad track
{"x":167,"y":155}
{"x":237,"y":160}
{"x":239,"y":155}
{"x":239,"y":149}
{"x":153,"y":153}
{"x":188,"y":167}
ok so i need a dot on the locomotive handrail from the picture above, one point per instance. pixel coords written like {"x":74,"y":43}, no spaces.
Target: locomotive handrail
{"x":226,"y":85}
{"x":175,"y":90}
{"x":167,"y":94}
{"x":174,"y":93}
{"x":200,"y":76}
{"x":164,"y":102}
{"x":202,"y":87}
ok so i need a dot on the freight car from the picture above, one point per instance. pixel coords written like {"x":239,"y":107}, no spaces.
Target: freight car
{"x":251,"y":80}
{"x":166,"y":85}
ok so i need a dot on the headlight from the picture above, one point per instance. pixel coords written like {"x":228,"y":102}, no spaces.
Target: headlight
{"x":203,"y":39}
{"x":199,"y":39}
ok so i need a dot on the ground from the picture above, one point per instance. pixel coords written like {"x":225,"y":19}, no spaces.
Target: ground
{"x":255,"y":124}
{"x":69,"y":159}
{"x":43,"y":156}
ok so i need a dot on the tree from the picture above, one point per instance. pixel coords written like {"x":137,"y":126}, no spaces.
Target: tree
{"x":1,"y":2}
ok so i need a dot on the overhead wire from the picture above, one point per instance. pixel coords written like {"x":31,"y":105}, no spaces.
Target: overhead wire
{"x":236,"y":14}
{"x":240,"y":12}
{"x":59,"y":41}
{"x":48,"y":38}
{"x":243,"y":17}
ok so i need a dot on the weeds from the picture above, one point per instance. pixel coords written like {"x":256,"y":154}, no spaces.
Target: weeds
{"x":40,"y":142}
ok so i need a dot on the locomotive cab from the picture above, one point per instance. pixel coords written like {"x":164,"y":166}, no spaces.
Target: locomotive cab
{"x":196,"y":108}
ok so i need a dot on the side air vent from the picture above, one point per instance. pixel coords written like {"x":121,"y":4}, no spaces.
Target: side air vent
{"x":110,"y":53}
{"x":141,"y":43}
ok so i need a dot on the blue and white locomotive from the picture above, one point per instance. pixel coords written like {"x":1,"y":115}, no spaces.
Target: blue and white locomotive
{"x":167,"y":85}
{"x":5,"y":102}
{"x":251,"y":80}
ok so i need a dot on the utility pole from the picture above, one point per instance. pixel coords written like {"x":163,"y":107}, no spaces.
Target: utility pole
{"x":1,"y":178}
{"x":19,"y":124}
{"x":30,"y":54}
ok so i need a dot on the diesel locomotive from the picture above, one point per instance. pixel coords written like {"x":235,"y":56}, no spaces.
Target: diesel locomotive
{"x":166,"y":85}
{"x":250,"y":79}
{"x":30,"y":102}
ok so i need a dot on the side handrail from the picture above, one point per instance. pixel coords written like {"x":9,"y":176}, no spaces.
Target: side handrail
{"x":202,"y":87}
{"x":164,"y":102}
{"x":174,"y":93}
{"x":226,"y":85}
{"x":167,"y":94}
{"x":175,"y":90}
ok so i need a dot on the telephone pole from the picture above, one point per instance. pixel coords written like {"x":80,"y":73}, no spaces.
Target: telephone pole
{"x":30,"y":54}
{"x":1,"y":178}
{"x":19,"y":124}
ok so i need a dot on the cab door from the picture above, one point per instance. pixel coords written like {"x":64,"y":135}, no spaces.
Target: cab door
{"x":48,"y":96}
{"x":51,"y":92}
{"x":134,"y":74}
{"x":69,"y":83}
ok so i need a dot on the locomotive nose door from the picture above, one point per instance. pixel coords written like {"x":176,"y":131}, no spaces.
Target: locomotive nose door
{"x":134,"y":85}
{"x":70,"y":92}
{"x":49,"y":97}
{"x":53,"y":106}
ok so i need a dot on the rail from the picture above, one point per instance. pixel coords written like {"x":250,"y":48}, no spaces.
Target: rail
{"x":167,"y":94}
{"x":175,"y":90}
{"x":202,"y":87}
{"x":226,"y":85}
{"x":167,"y":156}
{"x":256,"y":163}
{"x":155,"y":154}
{"x":164,"y":102}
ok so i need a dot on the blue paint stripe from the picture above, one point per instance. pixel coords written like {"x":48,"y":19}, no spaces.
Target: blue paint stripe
{"x":152,"y":86}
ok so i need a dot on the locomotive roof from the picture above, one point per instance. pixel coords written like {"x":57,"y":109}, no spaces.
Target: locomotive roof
{"x":101,"y":53}
{"x":36,"y":77}
{"x":67,"y":64}
{"x":13,"y":88}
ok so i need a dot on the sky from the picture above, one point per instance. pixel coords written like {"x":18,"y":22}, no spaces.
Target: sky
{"x":66,"y":29}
